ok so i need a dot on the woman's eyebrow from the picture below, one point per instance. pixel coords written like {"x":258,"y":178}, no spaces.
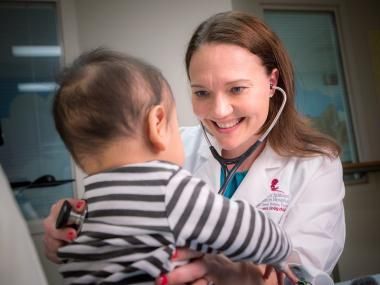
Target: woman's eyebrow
{"x":238,"y":81}
{"x":196,"y":86}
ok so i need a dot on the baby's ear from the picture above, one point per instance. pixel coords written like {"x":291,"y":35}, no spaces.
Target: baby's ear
{"x":158,"y":128}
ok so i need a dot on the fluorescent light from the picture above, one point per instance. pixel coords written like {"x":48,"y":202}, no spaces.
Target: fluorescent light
{"x":36,"y":51}
{"x":37,"y":87}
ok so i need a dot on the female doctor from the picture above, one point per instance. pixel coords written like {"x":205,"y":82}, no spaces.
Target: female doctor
{"x":239,"y":71}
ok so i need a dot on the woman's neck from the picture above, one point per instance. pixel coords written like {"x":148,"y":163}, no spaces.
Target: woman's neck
{"x":248,"y":161}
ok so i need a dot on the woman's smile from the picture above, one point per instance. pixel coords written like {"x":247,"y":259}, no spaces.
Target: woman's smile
{"x":227,"y":126}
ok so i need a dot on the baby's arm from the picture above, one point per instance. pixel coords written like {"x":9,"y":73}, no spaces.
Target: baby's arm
{"x":205,"y":221}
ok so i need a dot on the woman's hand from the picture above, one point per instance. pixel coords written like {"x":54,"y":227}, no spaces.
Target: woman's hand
{"x":206,"y":269}
{"x":280,"y":274}
{"x":222,"y":271}
{"x":189,"y":273}
{"x":54,"y":238}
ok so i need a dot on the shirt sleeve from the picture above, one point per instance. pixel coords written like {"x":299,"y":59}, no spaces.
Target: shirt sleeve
{"x":205,"y":221}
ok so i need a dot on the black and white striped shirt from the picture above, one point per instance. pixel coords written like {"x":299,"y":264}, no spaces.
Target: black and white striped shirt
{"x":138,"y":214}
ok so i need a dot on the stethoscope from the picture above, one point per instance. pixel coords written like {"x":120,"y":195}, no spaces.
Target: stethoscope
{"x":237,"y":161}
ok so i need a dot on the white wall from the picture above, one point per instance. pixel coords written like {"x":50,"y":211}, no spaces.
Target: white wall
{"x":361,"y":255}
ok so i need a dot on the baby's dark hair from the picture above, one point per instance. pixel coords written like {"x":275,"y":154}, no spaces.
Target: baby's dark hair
{"x":105,"y":95}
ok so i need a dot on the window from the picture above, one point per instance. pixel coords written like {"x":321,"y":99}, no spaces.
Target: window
{"x":30,"y":147}
{"x":312,"y":42}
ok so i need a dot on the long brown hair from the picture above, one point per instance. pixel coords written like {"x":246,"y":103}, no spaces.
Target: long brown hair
{"x":292,"y":135}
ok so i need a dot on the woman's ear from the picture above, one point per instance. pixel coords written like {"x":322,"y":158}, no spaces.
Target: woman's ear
{"x":158,"y":128}
{"x":273,"y":79}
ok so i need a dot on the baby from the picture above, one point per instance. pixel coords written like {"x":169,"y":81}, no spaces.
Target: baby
{"x":117,"y":117}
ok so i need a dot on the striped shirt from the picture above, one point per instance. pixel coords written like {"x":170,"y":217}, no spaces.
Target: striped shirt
{"x":138,"y":214}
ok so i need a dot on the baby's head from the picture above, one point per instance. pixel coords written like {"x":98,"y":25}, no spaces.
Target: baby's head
{"x":108,"y":103}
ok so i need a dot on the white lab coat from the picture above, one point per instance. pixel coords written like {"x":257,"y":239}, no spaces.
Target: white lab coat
{"x":304,"y":195}
{"x":19,"y":262}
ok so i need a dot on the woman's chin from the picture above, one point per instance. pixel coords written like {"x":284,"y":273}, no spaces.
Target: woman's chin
{"x":231,"y":150}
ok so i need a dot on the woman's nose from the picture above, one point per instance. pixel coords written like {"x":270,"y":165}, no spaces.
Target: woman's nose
{"x":222,"y":107}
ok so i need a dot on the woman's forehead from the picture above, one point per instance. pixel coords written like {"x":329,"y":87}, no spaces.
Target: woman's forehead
{"x":224,"y":62}
{"x":221,"y":54}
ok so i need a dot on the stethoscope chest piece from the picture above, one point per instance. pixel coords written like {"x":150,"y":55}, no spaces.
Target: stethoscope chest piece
{"x":68,"y":217}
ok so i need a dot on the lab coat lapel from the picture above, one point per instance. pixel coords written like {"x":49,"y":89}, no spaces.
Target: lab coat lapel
{"x":255,"y":187}
{"x":210,"y":173}
{"x":209,"y":168}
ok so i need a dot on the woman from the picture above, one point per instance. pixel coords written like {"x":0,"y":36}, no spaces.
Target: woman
{"x":235,"y":65}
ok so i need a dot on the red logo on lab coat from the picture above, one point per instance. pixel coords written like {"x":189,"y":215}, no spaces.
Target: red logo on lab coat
{"x":277,"y":200}
{"x":274,"y":187}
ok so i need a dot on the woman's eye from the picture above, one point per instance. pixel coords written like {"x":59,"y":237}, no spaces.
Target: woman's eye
{"x":237,"y":89}
{"x":201,"y":93}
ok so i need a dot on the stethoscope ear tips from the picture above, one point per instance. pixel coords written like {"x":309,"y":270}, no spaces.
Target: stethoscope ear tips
{"x":68,"y":217}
